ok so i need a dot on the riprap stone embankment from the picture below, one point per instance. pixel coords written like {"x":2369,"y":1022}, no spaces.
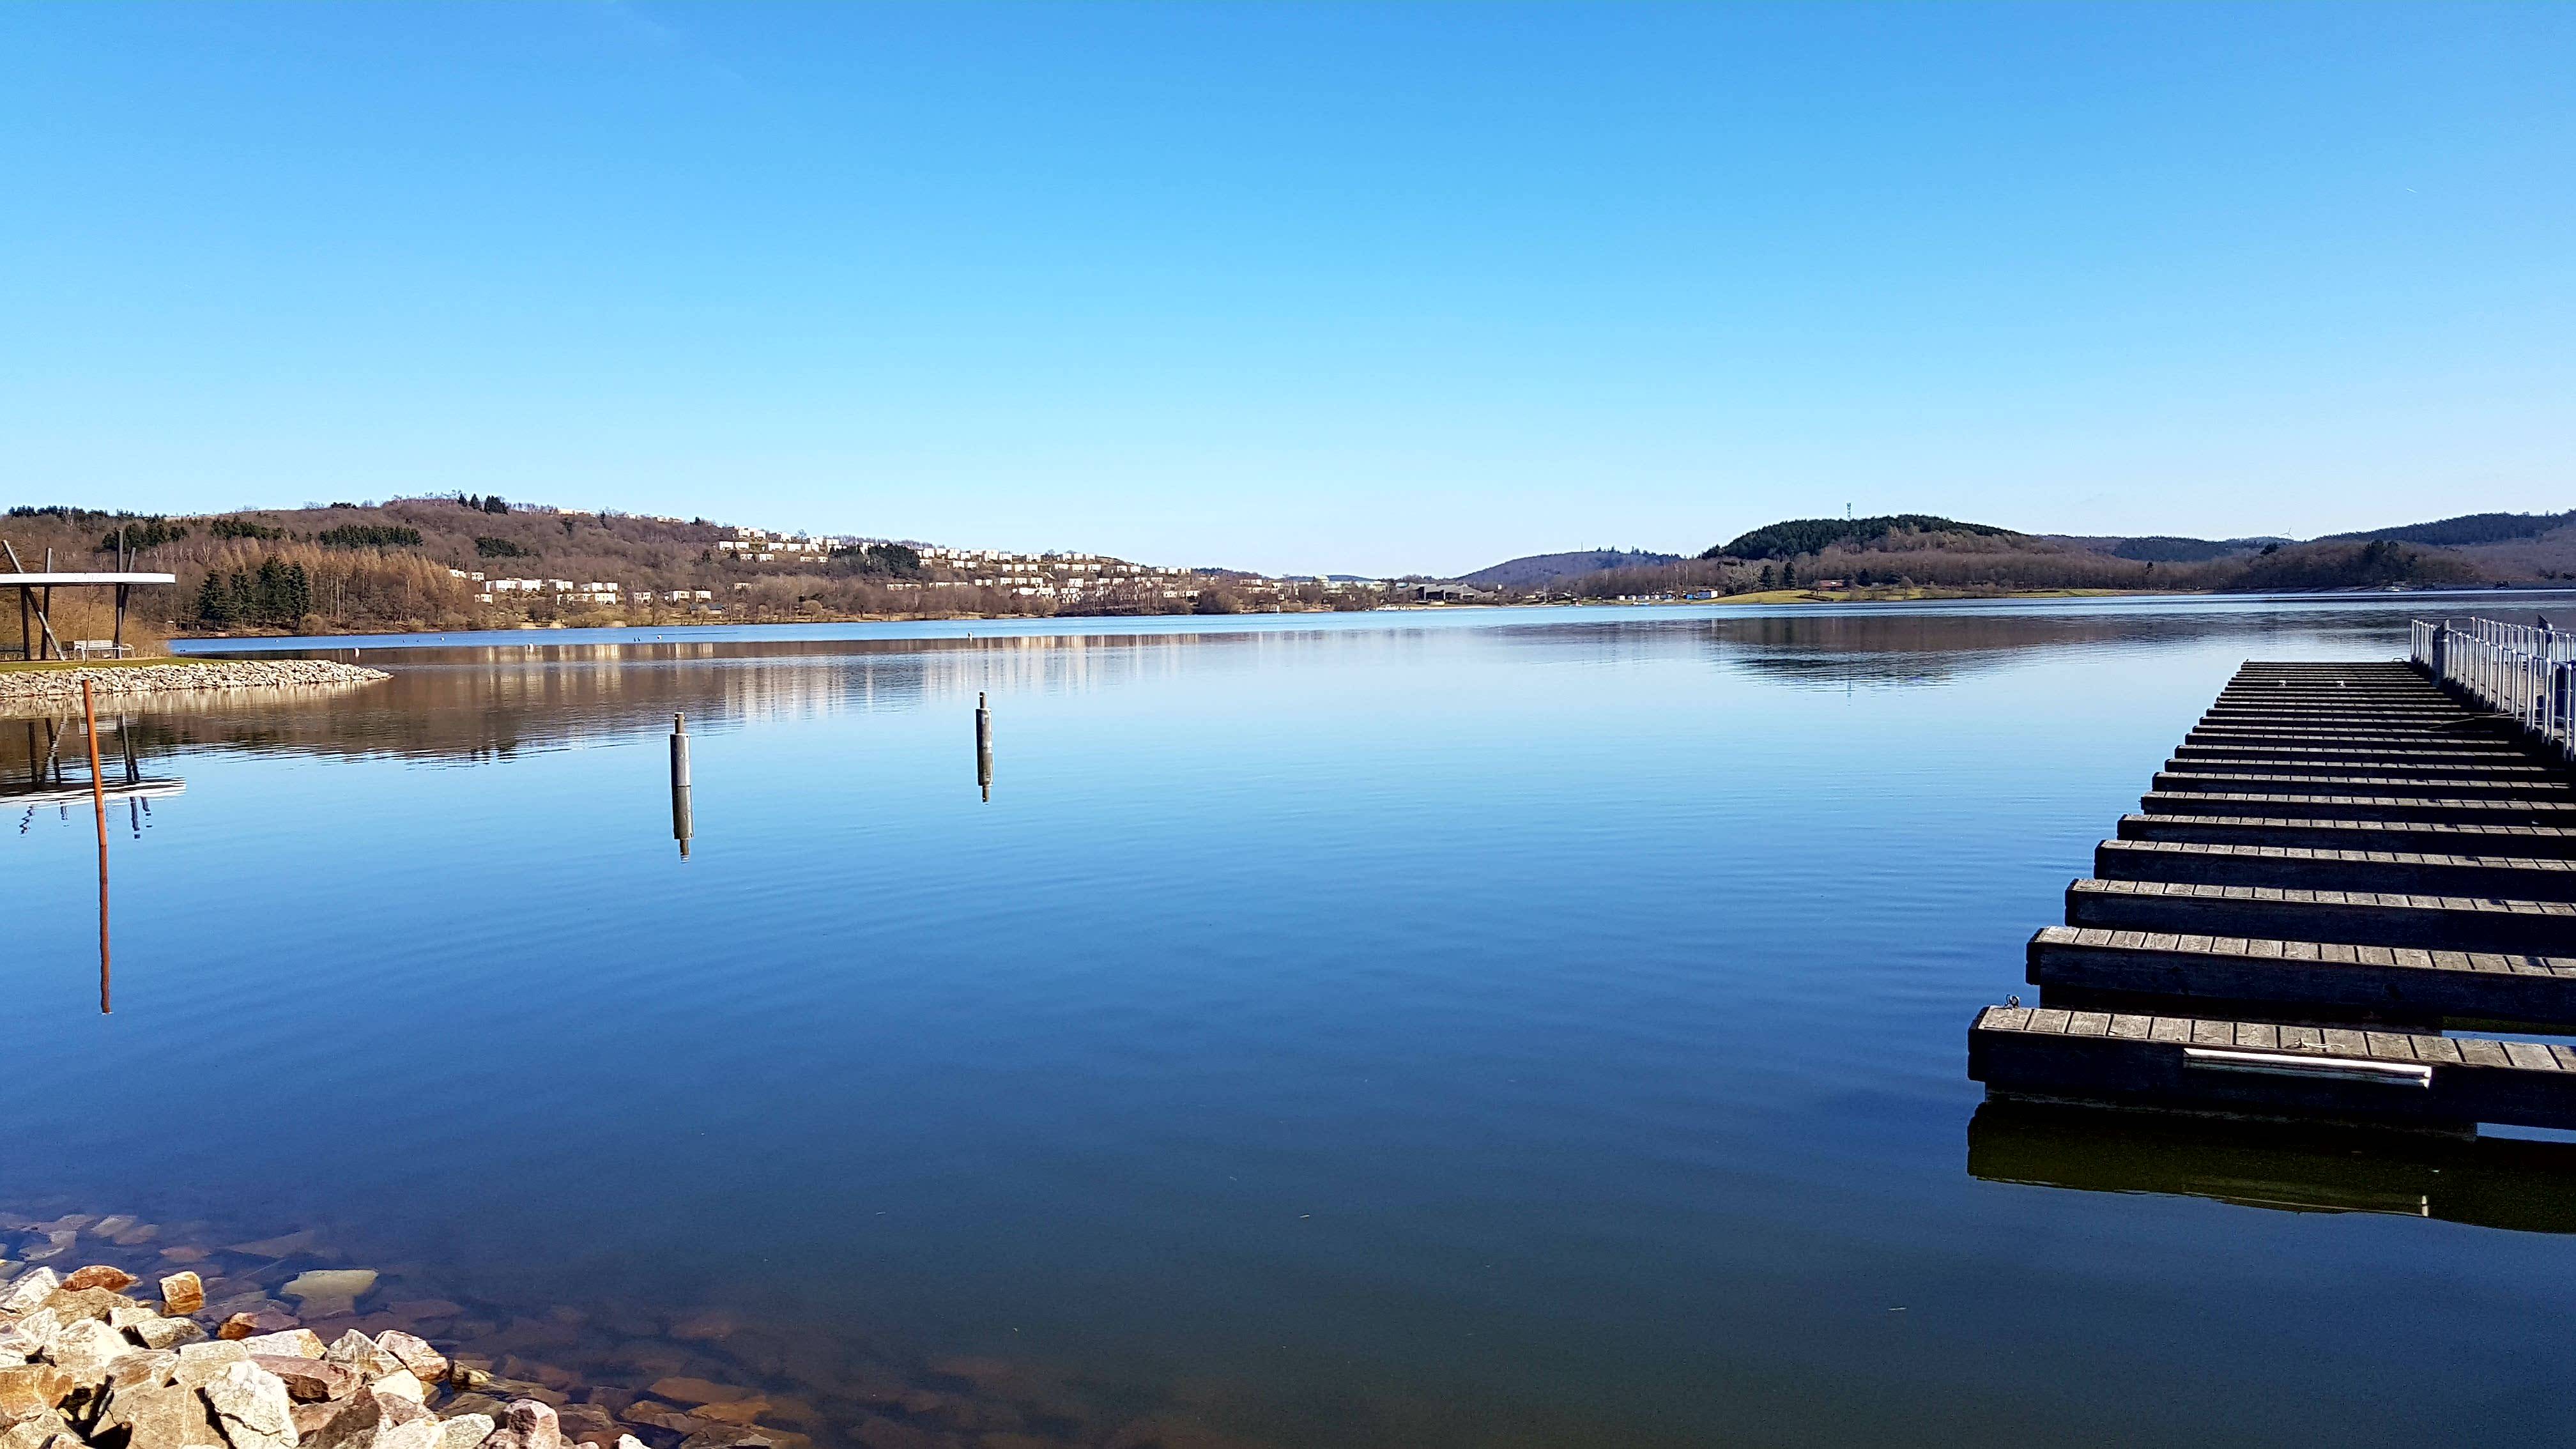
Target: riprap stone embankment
{"x":48,"y":686}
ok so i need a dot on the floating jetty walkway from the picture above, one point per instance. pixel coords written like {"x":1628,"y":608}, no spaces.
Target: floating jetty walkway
{"x":2339,"y":864}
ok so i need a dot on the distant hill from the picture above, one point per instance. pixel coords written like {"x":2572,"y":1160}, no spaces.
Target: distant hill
{"x":2164,"y":548}
{"x":2468,"y":530}
{"x":1919,"y":551}
{"x":1814,"y":535}
{"x":1535,"y":569}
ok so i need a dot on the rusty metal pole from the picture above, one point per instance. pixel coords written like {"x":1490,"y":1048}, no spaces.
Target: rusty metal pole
{"x":98,"y":799}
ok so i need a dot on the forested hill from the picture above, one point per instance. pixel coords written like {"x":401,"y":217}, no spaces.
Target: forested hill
{"x":1814,"y":535}
{"x":1539,"y":568}
{"x":1927,"y":551}
{"x":2471,"y":529}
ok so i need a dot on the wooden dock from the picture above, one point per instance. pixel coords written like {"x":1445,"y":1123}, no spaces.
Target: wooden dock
{"x":2339,"y":864}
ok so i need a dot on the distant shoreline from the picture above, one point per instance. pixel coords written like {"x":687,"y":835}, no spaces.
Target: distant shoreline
{"x":964,"y":627}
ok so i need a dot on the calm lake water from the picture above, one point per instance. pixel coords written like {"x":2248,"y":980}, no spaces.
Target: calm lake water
{"x":1488,"y":1027}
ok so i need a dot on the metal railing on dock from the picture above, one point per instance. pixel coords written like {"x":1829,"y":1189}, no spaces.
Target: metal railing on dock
{"x":2524,"y":671}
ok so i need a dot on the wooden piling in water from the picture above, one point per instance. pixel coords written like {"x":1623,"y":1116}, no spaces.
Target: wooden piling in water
{"x":98,"y":800}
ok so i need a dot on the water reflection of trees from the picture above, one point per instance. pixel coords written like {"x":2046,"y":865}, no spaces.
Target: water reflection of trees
{"x":463,"y":705}
{"x":1898,"y":647}
{"x":467,"y":703}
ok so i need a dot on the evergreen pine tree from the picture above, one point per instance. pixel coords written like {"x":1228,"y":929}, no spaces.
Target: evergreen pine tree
{"x":269,"y":590}
{"x":1789,"y":574}
{"x":214,"y":605}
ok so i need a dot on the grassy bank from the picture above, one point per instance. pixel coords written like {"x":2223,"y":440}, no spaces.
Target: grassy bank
{"x":49,"y":666}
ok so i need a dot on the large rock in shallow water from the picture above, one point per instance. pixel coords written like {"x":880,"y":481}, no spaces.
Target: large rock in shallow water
{"x":530,"y":1425}
{"x":251,"y":1407}
{"x":100,"y":1275}
{"x":182,"y":1293}
{"x":329,"y":1292}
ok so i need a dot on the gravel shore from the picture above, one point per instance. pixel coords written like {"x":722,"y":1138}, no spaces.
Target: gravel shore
{"x":34,"y":686}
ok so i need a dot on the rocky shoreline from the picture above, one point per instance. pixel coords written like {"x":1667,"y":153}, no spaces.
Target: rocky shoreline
{"x":48,"y":686}
{"x":164,"y":1337}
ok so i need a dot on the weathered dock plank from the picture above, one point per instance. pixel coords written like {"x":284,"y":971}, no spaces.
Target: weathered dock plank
{"x":2448,"y":787}
{"x":2370,"y":835}
{"x":2323,"y":868}
{"x":2494,"y":986}
{"x":2515,"y":810}
{"x":2360,"y":918}
{"x":2387,"y":1081}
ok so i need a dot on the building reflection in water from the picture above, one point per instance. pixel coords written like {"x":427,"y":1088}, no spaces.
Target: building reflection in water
{"x":2496,"y":1182}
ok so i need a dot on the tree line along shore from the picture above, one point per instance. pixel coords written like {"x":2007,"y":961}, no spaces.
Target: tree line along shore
{"x":455,"y":563}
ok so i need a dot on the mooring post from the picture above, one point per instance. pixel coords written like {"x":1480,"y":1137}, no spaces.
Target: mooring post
{"x":683,"y":821}
{"x":983,"y":745}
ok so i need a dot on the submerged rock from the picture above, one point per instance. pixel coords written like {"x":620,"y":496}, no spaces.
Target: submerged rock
{"x":529,"y":1425}
{"x":330,"y":1292}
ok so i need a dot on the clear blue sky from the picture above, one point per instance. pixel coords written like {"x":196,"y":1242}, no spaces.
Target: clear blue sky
{"x":1363,"y":289}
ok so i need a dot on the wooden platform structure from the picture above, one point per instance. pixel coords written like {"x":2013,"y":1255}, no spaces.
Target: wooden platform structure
{"x":2340,"y":863}
{"x":36,"y":606}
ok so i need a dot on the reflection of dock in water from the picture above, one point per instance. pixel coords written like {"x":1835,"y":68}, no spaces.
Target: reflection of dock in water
{"x":150,"y":788}
{"x":2493,"y":1182}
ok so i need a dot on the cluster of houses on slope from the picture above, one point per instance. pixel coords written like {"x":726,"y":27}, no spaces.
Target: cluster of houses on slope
{"x":1057,"y":577}
{"x":565,"y":591}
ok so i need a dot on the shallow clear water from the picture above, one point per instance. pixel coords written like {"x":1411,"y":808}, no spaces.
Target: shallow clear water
{"x":1485,"y":1027}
